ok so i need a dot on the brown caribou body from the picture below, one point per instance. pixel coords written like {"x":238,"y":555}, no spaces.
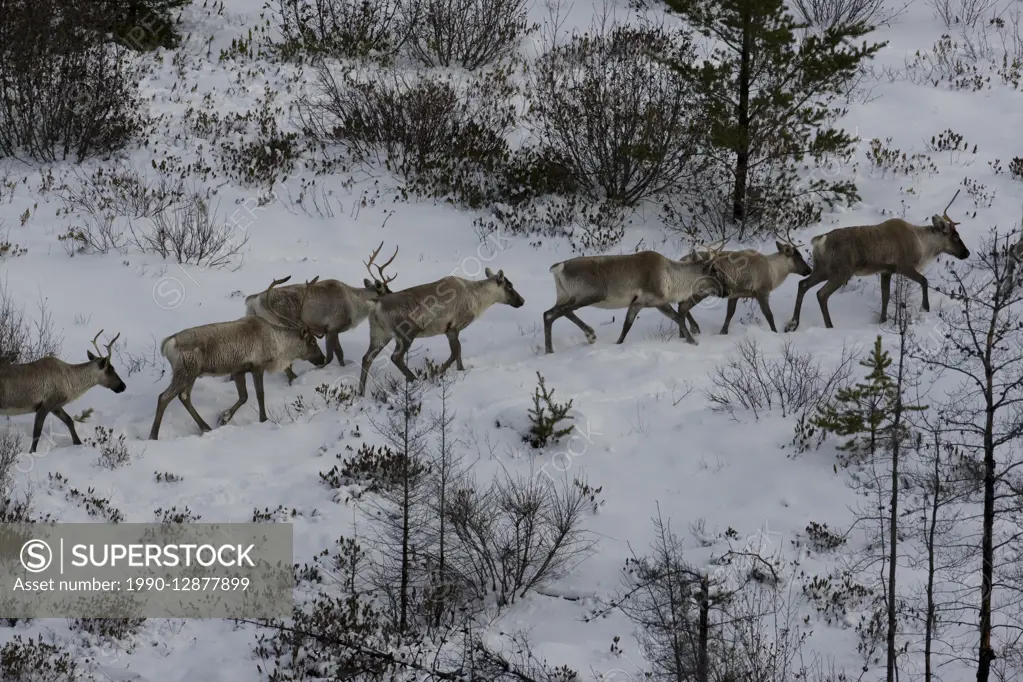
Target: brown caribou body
{"x":446,"y":306}
{"x":893,"y":247}
{"x":45,"y":386}
{"x":247,"y":345}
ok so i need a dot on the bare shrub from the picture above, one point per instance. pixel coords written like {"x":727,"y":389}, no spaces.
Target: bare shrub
{"x":339,"y":28}
{"x":113,"y":452}
{"x":590,"y":225}
{"x":10,"y":447}
{"x":776,"y":195}
{"x":443,"y":549}
{"x":110,"y":630}
{"x":333,"y":637}
{"x":117,"y":209}
{"x":100,"y":202}
{"x":466,"y":33}
{"x":608,"y":107}
{"x":373,"y":468}
{"x":822,"y":539}
{"x":173,"y":515}
{"x":13,"y":508}
{"x":1016,"y":168}
{"x":441,"y":136}
{"x":136,"y":363}
{"x":262,"y":158}
{"x":37,"y":661}
{"x":9,"y":249}
{"x":959,"y":66}
{"x":794,"y":382}
{"x":125,"y":191}
{"x":190,"y":233}
{"x":763,"y":637}
{"x":64,"y":91}
{"x":970,"y":65}
{"x":961,"y":13}
{"x":93,"y":233}
{"x":330,"y":636}
{"x":22,"y":340}
{"x":516,"y":535}
{"x":827,"y":13}
{"x":733,"y":623}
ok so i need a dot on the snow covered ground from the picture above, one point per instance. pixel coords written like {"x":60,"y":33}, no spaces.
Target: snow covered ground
{"x":637,"y":440}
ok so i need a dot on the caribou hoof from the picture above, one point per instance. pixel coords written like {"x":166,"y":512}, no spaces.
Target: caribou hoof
{"x":791,"y":326}
{"x":224,"y":418}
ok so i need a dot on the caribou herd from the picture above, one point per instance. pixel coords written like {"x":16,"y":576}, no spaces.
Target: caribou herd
{"x":283,"y":324}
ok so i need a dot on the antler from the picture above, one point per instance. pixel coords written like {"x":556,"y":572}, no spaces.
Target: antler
{"x":296,"y":324}
{"x":94,"y":339}
{"x":712,"y":252}
{"x":301,"y":303}
{"x":944,"y":213}
{"x":112,"y":342}
{"x":270,"y":306}
{"x":380,"y":268}
{"x":109,"y":345}
{"x":787,"y":238}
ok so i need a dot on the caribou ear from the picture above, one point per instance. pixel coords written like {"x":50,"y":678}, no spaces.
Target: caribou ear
{"x":489,"y":273}
{"x":91,"y":356}
{"x":783,"y":248}
{"x":368,"y":284}
{"x":940,"y":224}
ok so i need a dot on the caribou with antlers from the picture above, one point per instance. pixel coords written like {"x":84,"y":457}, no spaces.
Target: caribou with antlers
{"x":893,"y":247}
{"x":330,"y":307}
{"x":46,"y":385}
{"x":750,"y":274}
{"x":248,"y":345}
{"x":446,"y":307}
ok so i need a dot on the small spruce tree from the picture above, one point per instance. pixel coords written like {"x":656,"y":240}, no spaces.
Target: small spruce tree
{"x":865,"y":413}
{"x":546,"y":416}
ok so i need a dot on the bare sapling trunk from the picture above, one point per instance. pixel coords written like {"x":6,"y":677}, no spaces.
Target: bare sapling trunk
{"x":983,"y":332}
{"x":897,"y":436}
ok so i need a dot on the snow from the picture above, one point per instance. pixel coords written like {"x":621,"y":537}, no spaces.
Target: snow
{"x":645,"y":450}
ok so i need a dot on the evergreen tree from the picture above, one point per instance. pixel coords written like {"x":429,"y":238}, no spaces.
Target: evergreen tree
{"x":767,"y":90}
{"x":865,"y":413}
{"x":143,"y":25}
{"x":872,"y":415}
